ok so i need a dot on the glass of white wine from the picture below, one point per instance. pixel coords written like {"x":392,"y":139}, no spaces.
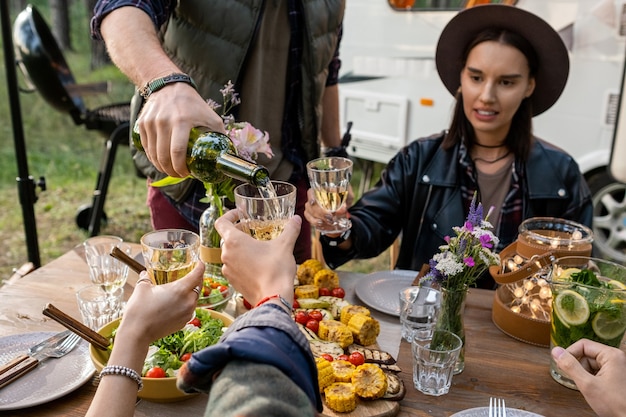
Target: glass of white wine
{"x":264,"y":216}
{"x":330,"y":180}
{"x":104,"y":269}
{"x":169,"y":254}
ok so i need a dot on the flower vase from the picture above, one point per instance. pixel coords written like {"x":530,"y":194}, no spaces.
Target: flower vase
{"x":451,"y":319}
{"x":210,"y":251}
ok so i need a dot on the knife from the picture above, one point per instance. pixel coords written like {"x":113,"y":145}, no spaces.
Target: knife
{"x":51,"y":341}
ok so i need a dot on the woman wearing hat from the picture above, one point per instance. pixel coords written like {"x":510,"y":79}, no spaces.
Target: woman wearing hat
{"x":504,"y":65}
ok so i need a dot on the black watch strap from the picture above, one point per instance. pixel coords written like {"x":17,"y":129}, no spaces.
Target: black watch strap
{"x":336,"y":241}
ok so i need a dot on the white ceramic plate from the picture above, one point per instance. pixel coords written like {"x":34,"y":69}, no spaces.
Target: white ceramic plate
{"x":380,"y":290}
{"x":484,"y":412}
{"x":50,"y":380}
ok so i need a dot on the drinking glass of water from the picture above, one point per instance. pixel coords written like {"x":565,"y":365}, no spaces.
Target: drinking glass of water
{"x":263,"y":213}
{"x":330,"y":180}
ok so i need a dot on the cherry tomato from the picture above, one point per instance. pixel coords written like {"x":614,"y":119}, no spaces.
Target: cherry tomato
{"x":301,"y":317}
{"x":338,"y":292}
{"x":196,"y":322}
{"x":313,"y":325}
{"x":327,"y":356}
{"x":324,"y":291}
{"x":185,"y":357}
{"x":246,"y":304}
{"x":222,"y":288}
{"x":343,"y":358}
{"x":356,"y":358}
{"x":156,"y":372}
{"x":316,"y":315}
{"x":295,"y":304}
{"x":206,"y":291}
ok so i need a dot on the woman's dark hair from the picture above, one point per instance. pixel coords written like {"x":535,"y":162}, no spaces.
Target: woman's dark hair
{"x":519,"y":138}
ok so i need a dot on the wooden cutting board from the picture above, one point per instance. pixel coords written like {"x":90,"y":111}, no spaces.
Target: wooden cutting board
{"x":376,"y":408}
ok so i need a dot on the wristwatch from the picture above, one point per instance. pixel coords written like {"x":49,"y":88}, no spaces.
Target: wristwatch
{"x":336,"y":241}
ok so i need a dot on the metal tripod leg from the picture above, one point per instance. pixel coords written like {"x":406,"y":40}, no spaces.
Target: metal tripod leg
{"x":118,"y":136}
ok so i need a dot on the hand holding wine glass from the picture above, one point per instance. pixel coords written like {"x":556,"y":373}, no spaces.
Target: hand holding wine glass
{"x":330,"y":181}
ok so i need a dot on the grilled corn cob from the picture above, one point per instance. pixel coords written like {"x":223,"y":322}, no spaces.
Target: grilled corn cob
{"x":365,"y":329}
{"x":307,"y":270}
{"x":325,"y":373}
{"x":335,"y":331}
{"x":307,"y":291}
{"x":343,"y":370}
{"x":369,"y":381}
{"x":350,"y":310}
{"x":340,"y":397}
{"x":326,"y":278}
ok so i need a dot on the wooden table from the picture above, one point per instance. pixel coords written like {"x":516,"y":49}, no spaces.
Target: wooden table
{"x":496,"y":365}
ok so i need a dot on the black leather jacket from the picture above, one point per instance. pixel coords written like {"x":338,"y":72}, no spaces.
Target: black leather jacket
{"x":419,"y":195}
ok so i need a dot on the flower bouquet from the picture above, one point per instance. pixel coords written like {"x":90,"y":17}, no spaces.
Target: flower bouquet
{"x":458,"y":265}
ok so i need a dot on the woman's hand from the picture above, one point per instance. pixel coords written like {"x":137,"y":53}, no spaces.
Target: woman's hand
{"x":155,"y":311}
{"x":319,"y":217}
{"x":598,"y":371}
{"x":258,"y":269}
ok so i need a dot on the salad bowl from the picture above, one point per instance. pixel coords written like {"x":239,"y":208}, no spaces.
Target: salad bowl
{"x":154,"y":389}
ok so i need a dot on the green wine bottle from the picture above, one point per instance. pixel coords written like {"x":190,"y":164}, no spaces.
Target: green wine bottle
{"x":211,"y":156}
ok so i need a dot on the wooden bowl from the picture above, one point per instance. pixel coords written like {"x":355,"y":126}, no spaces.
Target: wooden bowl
{"x":154,"y":389}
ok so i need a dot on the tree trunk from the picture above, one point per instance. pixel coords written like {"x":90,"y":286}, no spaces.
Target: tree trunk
{"x":99,"y":55}
{"x":59,"y":13}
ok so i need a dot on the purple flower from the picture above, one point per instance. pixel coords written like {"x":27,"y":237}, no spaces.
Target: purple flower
{"x":447,"y":239}
{"x":485,"y":241}
{"x":475,"y":215}
{"x":469,"y":261}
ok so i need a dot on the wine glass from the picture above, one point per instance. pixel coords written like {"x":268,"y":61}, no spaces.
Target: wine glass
{"x":264,"y":217}
{"x":330,"y":180}
{"x":169,"y":254}
{"x":104,"y":269}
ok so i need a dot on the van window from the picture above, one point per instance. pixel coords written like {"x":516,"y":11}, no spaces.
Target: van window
{"x":438,"y":5}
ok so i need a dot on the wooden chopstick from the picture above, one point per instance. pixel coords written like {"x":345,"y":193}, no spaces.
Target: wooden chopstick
{"x":77,"y":327}
{"x":118,"y":254}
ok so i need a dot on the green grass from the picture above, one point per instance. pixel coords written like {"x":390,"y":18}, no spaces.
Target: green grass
{"x":68,"y":156}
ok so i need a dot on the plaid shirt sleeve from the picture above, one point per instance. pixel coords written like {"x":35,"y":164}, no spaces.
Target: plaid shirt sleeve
{"x":158,"y":10}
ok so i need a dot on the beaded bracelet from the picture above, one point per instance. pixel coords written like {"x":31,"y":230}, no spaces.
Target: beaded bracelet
{"x":159,"y":83}
{"x":124,"y":371}
{"x":280,"y":297}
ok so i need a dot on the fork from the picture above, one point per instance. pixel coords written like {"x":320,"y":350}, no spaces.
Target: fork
{"x":497,"y":408}
{"x":61,"y":350}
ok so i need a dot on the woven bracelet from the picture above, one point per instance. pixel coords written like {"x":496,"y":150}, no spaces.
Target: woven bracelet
{"x":124,"y":371}
{"x":159,"y":83}
{"x":280,"y":298}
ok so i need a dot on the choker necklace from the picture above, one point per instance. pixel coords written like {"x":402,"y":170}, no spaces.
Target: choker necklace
{"x":493,"y":161}
{"x":489,"y":146}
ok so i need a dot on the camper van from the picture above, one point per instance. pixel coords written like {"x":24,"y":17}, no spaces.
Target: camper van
{"x":391,"y":92}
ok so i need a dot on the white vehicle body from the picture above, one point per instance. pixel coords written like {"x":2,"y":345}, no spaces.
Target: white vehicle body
{"x":392,"y":93}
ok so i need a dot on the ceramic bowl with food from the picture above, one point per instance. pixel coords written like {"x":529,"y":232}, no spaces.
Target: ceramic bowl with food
{"x":215,"y":298}
{"x":154,"y":389}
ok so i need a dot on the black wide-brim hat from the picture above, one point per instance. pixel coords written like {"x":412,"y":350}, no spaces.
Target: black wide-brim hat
{"x":552,"y":55}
